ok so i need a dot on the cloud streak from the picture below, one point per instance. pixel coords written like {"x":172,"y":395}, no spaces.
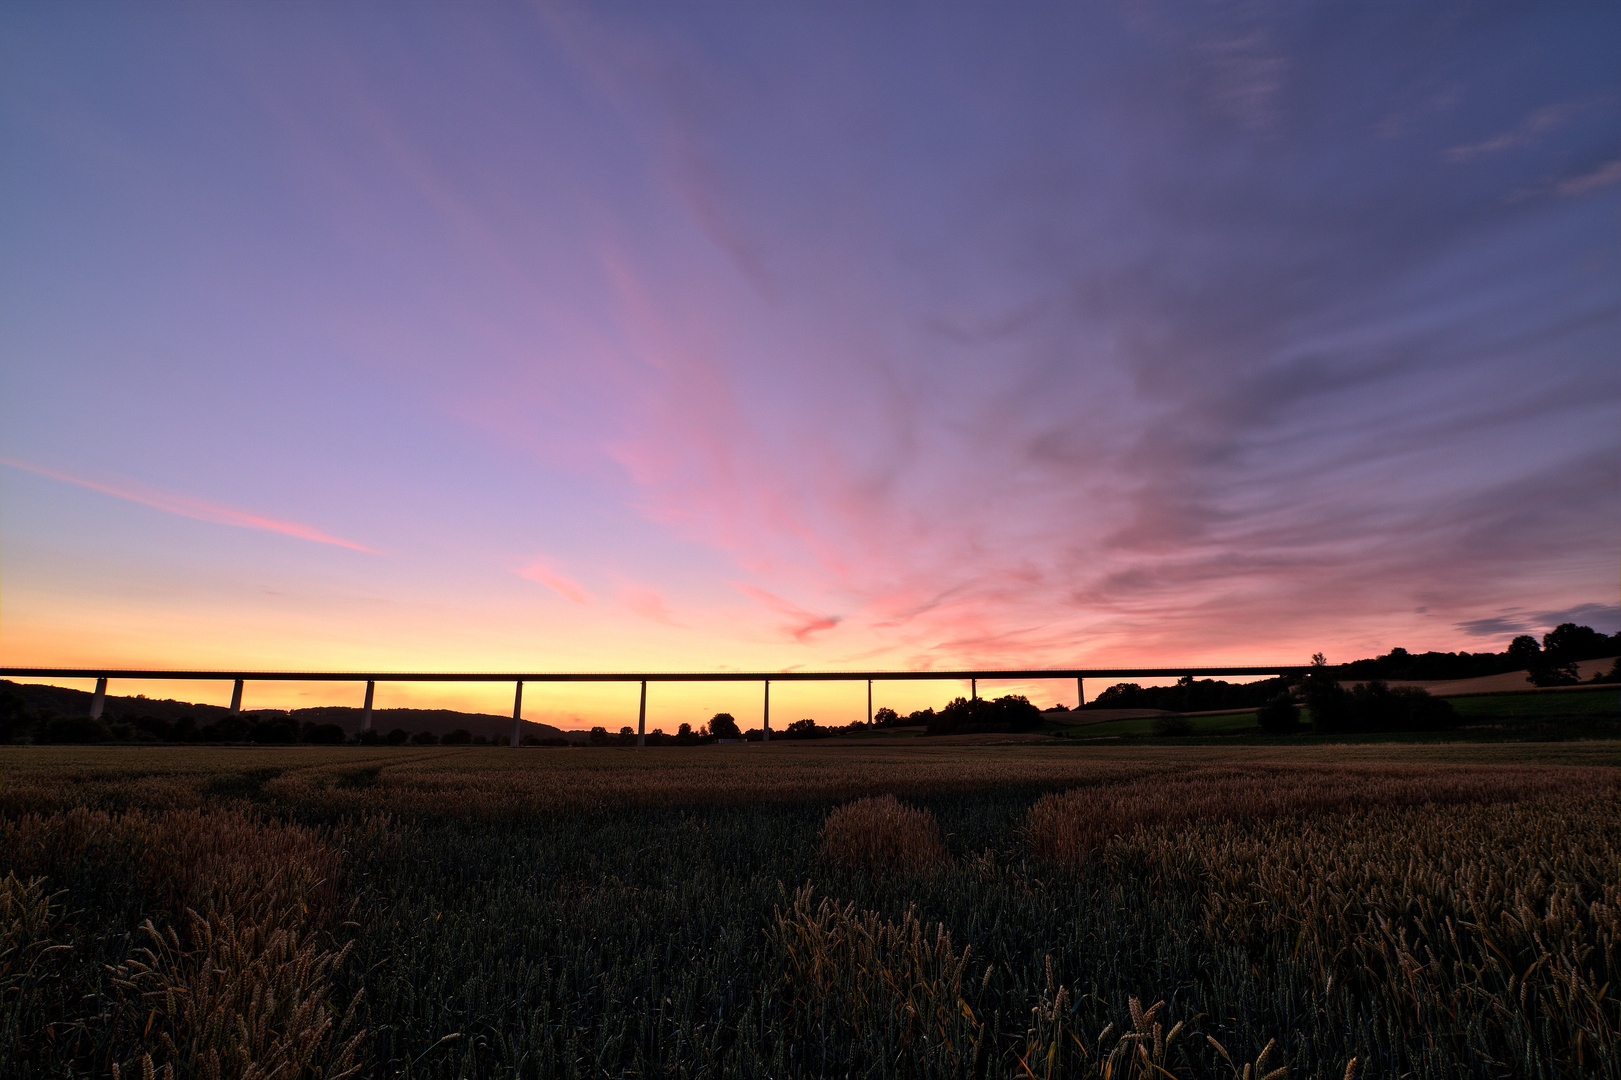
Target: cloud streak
{"x":188,"y":506}
{"x":541,"y":572}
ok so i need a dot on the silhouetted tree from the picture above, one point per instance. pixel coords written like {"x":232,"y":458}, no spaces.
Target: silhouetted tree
{"x":805,"y":729}
{"x":1005,"y":714}
{"x":459,"y":737}
{"x":1524,"y":651}
{"x":885,"y":717}
{"x":1329,"y":702}
{"x":1568,"y":642}
{"x":1279,"y":716}
{"x":425,"y":738}
{"x":398,"y":737}
{"x":724,"y":726}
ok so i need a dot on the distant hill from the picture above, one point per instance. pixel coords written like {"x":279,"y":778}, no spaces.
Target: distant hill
{"x":67,"y":702}
{"x":438,"y":721}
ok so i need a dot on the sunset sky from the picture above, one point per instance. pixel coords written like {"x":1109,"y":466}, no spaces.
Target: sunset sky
{"x":775,"y":336}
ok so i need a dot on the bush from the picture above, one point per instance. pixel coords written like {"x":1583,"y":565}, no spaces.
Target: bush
{"x":1172,"y":725}
{"x":324,"y":734}
{"x":805,"y":729}
{"x":278,"y":730}
{"x":78,"y":729}
{"x":1279,"y":716}
{"x":398,"y":737}
{"x":1549,"y":673}
{"x":1378,"y":707}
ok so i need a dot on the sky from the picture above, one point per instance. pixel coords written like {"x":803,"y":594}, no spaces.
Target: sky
{"x":801,"y":336}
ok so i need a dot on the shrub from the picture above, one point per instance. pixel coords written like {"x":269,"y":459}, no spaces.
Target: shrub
{"x":1172,"y":725}
{"x":324,"y":734}
{"x":882,"y":833}
{"x":1378,"y":707}
{"x":278,"y":730}
{"x":1279,"y":716}
{"x":78,"y":729}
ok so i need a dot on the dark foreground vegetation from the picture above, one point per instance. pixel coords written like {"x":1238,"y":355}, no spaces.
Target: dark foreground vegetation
{"x":806,"y":911}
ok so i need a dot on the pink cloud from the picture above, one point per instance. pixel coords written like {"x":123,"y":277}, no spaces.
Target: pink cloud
{"x":646,"y":602}
{"x":805,"y":623}
{"x":188,"y":506}
{"x":541,"y":573}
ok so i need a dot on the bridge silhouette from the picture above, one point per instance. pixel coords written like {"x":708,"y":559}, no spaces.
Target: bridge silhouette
{"x":371,"y":678}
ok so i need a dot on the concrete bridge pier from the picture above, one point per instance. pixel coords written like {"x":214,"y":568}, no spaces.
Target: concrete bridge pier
{"x":973,"y":688}
{"x":517,"y":713}
{"x":365,"y":714}
{"x":236,"y":698}
{"x":869,"y":701}
{"x":99,"y":700}
{"x":1080,"y":691}
{"x":765,"y":734}
{"x":641,"y":719}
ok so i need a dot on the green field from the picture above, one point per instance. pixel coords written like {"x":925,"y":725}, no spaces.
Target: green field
{"x":1043,"y":910}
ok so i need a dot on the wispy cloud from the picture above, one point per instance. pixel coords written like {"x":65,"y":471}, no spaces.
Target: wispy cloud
{"x":541,"y":572}
{"x":648,"y":603}
{"x":188,"y":506}
{"x":1603,"y":176}
{"x":1535,"y":124}
{"x":804,"y":623}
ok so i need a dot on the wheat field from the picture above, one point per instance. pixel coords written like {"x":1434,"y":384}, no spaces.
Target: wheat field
{"x":803,"y":911}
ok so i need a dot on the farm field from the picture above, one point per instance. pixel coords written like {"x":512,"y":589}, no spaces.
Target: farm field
{"x":1568,"y":713}
{"x":810,"y":909}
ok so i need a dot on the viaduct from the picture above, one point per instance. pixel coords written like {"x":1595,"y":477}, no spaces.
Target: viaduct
{"x":371,"y":679}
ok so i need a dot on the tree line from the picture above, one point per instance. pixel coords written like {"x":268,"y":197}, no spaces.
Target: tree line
{"x":1551,"y":662}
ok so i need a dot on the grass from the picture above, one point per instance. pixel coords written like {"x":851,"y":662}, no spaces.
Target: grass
{"x":808,"y":909}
